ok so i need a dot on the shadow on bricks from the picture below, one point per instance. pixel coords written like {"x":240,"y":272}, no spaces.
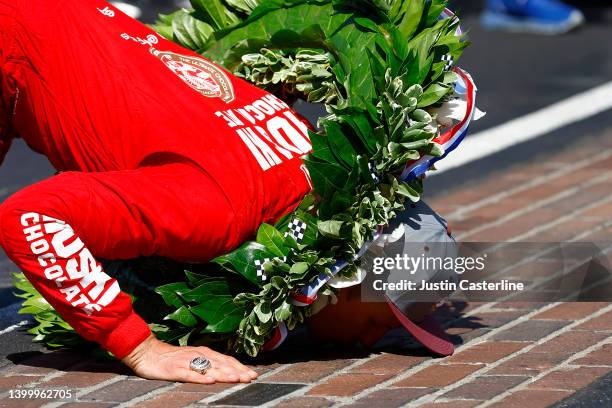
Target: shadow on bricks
{"x":69,"y":361}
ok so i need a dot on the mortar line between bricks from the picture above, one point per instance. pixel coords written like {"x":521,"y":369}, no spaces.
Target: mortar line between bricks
{"x":561,"y":366}
{"x":84,"y":391}
{"x":492,"y":306}
{"x":462,"y":347}
{"x":472,"y":343}
{"x":568,"y":298}
{"x":308,"y":387}
{"x":346,"y":400}
{"x":147,"y":396}
{"x":431,"y":397}
{"x":534,"y":257}
{"x":553,"y":305}
{"x":537,"y":205}
{"x":560,"y":220}
{"x":574,"y":238}
{"x":532,"y":183}
{"x":40,"y":383}
{"x":35,"y":384}
{"x":238,"y":387}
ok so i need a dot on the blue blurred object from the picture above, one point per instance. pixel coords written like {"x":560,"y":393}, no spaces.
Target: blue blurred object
{"x":533,"y":16}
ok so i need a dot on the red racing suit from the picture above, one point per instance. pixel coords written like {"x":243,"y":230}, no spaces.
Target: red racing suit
{"x":161,"y":152}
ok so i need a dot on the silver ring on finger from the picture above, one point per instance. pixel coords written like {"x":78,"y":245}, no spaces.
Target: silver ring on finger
{"x":200,"y":364}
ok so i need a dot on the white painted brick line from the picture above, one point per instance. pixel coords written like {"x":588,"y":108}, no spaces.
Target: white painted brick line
{"x":431,"y":397}
{"x":536,"y":181}
{"x":539,"y":204}
{"x":14,"y":327}
{"x":566,"y":364}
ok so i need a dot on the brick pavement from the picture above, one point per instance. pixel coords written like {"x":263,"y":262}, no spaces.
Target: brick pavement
{"x":509,"y":354}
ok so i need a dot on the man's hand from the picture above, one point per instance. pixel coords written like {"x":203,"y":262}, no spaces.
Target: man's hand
{"x":156,"y":360}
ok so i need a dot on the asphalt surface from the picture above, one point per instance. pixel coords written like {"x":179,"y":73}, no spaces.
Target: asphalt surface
{"x":516,"y":74}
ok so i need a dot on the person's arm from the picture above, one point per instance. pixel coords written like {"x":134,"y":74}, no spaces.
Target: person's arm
{"x":52,"y":230}
{"x":6,"y":88}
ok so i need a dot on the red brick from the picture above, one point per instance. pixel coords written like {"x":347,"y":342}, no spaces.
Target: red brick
{"x":516,"y":226}
{"x":12,"y":382}
{"x":565,"y":231}
{"x":452,"y":404}
{"x":88,"y":405}
{"x":580,"y":152}
{"x":173,"y":399}
{"x":77,"y":379}
{"x":498,"y":209}
{"x":495,"y":319}
{"x":388,"y":364}
{"x":603,"y":322}
{"x":467,"y":334}
{"x":570,"y":379}
{"x":486,"y":352}
{"x":539,"y":268}
{"x":22,"y":403}
{"x":208,"y":388}
{"x":531,"y":330}
{"x":602,"y":211}
{"x":600,"y":357}
{"x":309,"y":371}
{"x":530,"y":363}
{"x":265,"y":368}
{"x":391,"y":397}
{"x":461,"y":197}
{"x":124,"y":390}
{"x":570,"y":342}
{"x":460,"y":227}
{"x":605,"y":164}
{"x":522,"y":305}
{"x":570,"y":311}
{"x":345,"y":385}
{"x":484,"y":388}
{"x":532,"y":399}
{"x":305,"y":402}
{"x":600,"y":234}
{"x":438,"y":376}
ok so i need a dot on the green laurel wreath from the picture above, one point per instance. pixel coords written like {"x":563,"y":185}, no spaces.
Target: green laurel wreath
{"x":377,"y":66}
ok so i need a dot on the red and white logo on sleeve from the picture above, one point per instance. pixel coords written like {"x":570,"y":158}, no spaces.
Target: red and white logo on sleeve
{"x":201,"y":75}
{"x":68,"y":263}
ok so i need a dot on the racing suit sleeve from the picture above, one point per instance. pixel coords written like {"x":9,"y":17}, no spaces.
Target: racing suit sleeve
{"x":55,"y":229}
{"x":52,"y":229}
{"x":6,"y":92}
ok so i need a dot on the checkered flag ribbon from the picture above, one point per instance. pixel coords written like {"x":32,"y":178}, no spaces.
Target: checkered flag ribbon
{"x":449,"y":62}
{"x":261,"y":263}
{"x":373,"y":172}
{"x":296,"y":229}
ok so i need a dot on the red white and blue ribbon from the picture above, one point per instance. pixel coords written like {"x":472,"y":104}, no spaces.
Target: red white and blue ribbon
{"x":308,"y":294}
{"x":278,"y":338}
{"x":454,"y":136}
